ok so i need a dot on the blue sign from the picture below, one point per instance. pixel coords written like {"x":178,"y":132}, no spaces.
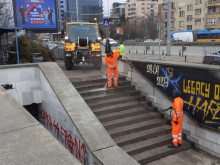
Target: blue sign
{"x":35,"y":14}
{"x":106,"y":22}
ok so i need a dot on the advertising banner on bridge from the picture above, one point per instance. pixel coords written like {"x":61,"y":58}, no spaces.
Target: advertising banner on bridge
{"x":200,"y":89}
{"x":35,"y":15}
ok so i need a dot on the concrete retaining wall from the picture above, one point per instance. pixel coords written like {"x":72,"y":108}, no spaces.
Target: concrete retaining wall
{"x":25,"y":81}
{"x":204,"y":138}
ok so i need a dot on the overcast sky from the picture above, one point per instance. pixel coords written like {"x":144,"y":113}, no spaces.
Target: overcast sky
{"x":105,"y":5}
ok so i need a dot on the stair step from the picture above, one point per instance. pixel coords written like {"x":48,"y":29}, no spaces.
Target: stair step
{"x":136,"y":127}
{"x":116,"y":108}
{"x":89,"y":80}
{"x":115,"y":101}
{"x":142,"y":135}
{"x":91,"y":99}
{"x":157,"y":153}
{"x":98,"y":85}
{"x":131,"y":120}
{"x":116,"y":94}
{"x":106,"y":91}
{"x":148,"y":144}
{"x":119,"y":115}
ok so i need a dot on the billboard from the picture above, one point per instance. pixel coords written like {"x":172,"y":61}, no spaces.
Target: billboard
{"x":35,"y":15}
{"x":200,"y":89}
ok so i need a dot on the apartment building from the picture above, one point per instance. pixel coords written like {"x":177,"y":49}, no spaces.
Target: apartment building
{"x":141,"y":9}
{"x":118,"y":9}
{"x":213,"y":18}
{"x":187,"y":14}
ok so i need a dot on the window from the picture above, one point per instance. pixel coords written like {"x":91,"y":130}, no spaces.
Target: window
{"x":211,"y":21}
{"x":143,"y":4}
{"x":218,"y":19}
{"x":212,"y":10}
{"x":198,"y":2}
{"x":213,"y":0}
{"x":198,"y":22}
{"x":182,"y":4}
{"x":189,"y":27}
{"x":189,"y":7}
{"x":198,"y":11}
{"x":182,"y":13}
{"x":181,"y":23}
{"x":143,"y":8}
{"x":189,"y":17}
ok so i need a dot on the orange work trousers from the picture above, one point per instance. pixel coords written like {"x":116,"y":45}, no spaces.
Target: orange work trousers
{"x":177,"y":131}
{"x":115,"y":73}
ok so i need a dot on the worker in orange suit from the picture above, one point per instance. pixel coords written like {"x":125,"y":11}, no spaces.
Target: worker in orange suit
{"x":177,"y":119}
{"x":111,"y":59}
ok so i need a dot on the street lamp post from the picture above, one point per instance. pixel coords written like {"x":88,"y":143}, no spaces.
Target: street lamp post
{"x":169,"y":27}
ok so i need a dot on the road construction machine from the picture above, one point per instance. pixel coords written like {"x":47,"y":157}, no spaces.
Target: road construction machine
{"x":82,"y":44}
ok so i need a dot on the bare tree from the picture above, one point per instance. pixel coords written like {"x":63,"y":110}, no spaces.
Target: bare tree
{"x":6,"y":13}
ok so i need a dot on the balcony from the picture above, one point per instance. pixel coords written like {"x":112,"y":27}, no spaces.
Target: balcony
{"x":213,"y":26}
{"x":212,"y":3}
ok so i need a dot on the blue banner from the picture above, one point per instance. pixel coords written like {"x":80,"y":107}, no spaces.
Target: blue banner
{"x":35,"y":14}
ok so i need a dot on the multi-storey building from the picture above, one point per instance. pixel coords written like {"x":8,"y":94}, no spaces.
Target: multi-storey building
{"x":87,"y":10}
{"x":61,"y":14}
{"x":141,"y":9}
{"x":213,"y":18}
{"x":118,"y":9}
{"x":187,"y":14}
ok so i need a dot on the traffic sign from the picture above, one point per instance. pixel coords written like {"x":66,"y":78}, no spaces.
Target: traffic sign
{"x":106,"y":22}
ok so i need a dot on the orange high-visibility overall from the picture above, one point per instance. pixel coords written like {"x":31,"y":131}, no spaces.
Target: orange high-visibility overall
{"x":177,"y":116}
{"x":112,"y":66}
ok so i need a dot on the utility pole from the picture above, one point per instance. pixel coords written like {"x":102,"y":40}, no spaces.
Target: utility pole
{"x":77,"y":11}
{"x":107,"y":29}
{"x":169,"y":8}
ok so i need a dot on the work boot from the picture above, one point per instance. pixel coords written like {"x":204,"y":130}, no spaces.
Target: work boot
{"x":171,"y":145}
{"x":179,"y":145}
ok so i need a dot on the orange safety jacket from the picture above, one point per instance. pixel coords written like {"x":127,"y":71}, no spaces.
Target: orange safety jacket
{"x":177,"y":108}
{"x":112,"y":62}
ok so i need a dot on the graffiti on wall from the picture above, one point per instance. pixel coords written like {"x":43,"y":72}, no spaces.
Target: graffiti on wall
{"x":71,"y":142}
{"x":198,"y":87}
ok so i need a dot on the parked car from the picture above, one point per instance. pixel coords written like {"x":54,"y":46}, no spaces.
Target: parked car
{"x":52,"y":46}
{"x":212,"y":58}
{"x":111,"y":41}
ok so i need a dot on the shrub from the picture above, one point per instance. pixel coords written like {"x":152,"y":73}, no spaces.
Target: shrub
{"x":26,"y":48}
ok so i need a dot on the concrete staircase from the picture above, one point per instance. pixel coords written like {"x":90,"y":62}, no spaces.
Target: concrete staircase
{"x":129,"y":118}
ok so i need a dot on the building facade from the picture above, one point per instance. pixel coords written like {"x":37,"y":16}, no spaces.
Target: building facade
{"x":118,"y":9}
{"x":213,"y":18}
{"x":141,"y":9}
{"x":87,"y":10}
{"x":61,"y":14}
{"x":193,"y":15}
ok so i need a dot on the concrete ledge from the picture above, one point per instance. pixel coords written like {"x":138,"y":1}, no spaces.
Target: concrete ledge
{"x":183,"y":64}
{"x":23,"y":140}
